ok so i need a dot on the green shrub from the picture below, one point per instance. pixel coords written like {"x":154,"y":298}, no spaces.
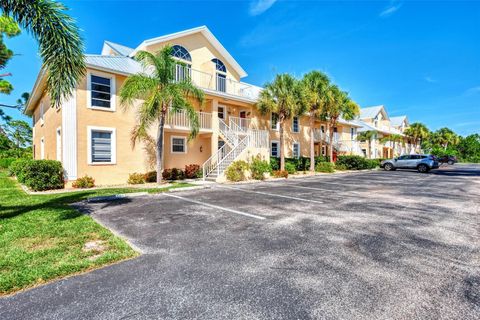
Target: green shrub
{"x":173,"y":174}
{"x":193,"y":171}
{"x":290,"y":168}
{"x":16,"y":167}
{"x":151,"y":176}
{"x":274,"y":163}
{"x":258,"y":168}
{"x":325,"y":167}
{"x":42,"y":175}
{"x":280,"y":174}
{"x":340,"y":167}
{"x":236,"y":171}
{"x":84,"y":182}
{"x":356,"y":162}
{"x":6,"y":162}
{"x":136,"y":178}
{"x":17,"y":153}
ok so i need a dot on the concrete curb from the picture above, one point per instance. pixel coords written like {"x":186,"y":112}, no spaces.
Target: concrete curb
{"x":141,"y":194}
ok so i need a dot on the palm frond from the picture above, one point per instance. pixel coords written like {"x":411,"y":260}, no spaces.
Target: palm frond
{"x":61,"y":46}
{"x":137,"y":86}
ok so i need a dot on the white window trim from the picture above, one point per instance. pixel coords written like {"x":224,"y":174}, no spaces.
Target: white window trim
{"x":184,"y":142}
{"x":278,"y":148}
{"x":298,"y":124}
{"x":224,"y":111}
{"x":112,"y":90}
{"x":89,"y":145}
{"x":42,"y":113}
{"x":58,"y":147}
{"x":293,"y":150}
{"x":271,"y":122}
{"x":42,"y":148}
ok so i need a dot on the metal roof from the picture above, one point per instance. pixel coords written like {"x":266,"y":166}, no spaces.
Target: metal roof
{"x":120,"y":49}
{"x":397,"y":121}
{"x":371,"y":112}
{"x":118,"y":64}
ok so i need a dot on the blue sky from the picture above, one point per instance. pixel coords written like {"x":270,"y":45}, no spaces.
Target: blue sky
{"x":420,"y":58}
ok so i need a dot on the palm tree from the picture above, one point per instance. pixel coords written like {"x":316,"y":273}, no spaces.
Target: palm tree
{"x":338,"y":105}
{"x":315,"y":85}
{"x":161,"y":95}
{"x":445,"y":137}
{"x":367,"y":136}
{"x":284,"y":97}
{"x":394,"y":138}
{"x":418,"y":132}
{"x":60,"y":44}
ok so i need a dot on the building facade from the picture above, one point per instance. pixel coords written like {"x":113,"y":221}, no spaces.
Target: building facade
{"x":91,"y":132}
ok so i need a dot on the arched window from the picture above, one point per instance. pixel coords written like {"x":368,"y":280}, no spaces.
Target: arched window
{"x":181,"y":53}
{"x":219,"y":66}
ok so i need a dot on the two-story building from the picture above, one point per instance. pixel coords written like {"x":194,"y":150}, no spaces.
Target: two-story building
{"x":91,"y":133}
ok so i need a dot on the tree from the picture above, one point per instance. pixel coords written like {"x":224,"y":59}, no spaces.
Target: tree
{"x":285,"y":98}
{"x":8,"y":28}
{"x":367,"y":136}
{"x":469,"y":148}
{"x":444,"y":137}
{"x":418,"y":132}
{"x":20,"y":133}
{"x":394,"y":138}
{"x":60,"y":44}
{"x":315,"y":85}
{"x":338,"y":105}
{"x":161,"y":95}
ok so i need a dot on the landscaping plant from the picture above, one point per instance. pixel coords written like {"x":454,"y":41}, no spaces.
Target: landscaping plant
{"x":173,"y":174}
{"x":136,"y":178}
{"x":280,"y":174}
{"x":290,"y":168}
{"x":193,"y":171}
{"x":236,"y":171}
{"x":258,"y":168}
{"x":325,"y":167}
{"x":41,"y":175}
{"x":84,"y":182}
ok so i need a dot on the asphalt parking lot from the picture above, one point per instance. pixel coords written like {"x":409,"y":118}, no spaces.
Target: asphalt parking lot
{"x":366,"y":245}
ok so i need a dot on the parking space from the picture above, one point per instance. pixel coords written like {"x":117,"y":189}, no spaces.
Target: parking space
{"x":366,"y":245}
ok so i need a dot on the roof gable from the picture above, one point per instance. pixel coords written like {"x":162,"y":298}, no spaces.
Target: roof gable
{"x":118,"y":48}
{"x":398,"y":121}
{"x":210,"y":38}
{"x":372,"y":112}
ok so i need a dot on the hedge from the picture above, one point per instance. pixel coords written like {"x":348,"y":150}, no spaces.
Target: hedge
{"x":39,"y":175}
{"x":356,"y":163}
{"x":6,"y":162}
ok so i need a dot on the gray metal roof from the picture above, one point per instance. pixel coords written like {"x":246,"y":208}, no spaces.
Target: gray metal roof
{"x":119,"y":64}
{"x":370,"y":112}
{"x":120,"y":49}
{"x":397,"y":121}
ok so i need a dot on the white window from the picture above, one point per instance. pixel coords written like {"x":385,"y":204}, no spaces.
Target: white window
{"x":296,"y":150}
{"x":59,"y":144}
{"x":324,"y":150}
{"x":101,"y":91}
{"x":183,"y":72}
{"x":352,"y":133}
{"x":221,"y":112}
{"x":275,"y":149}
{"x":42,"y":148}
{"x":295,"y":125}
{"x":274,"y":121}
{"x":101,"y":145}
{"x":42,"y":112}
{"x":179,"y":144}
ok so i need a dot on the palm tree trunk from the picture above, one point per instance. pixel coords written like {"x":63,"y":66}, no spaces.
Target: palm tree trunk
{"x":159,"y":149}
{"x":312,"y":145}
{"x":282,"y":155}
{"x":370,"y":148}
{"x":330,"y":142}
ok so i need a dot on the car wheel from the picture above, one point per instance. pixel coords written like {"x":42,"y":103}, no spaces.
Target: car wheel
{"x":388,"y":167}
{"x":423,"y":168}
{"x":450,"y":162}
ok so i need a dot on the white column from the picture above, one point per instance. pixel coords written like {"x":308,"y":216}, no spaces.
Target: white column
{"x":69,"y":137}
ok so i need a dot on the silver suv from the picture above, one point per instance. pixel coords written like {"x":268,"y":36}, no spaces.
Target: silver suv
{"x":421,"y":162}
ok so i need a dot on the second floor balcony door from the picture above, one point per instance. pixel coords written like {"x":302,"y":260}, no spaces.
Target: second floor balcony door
{"x":221,"y":82}
{"x":243,"y":120}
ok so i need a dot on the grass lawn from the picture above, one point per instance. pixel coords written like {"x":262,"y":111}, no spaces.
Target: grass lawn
{"x":43,"y":238}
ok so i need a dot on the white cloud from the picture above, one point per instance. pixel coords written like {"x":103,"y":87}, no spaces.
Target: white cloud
{"x":391,"y":9}
{"x":472,"y":91}
{"x":429,"y":79}
{"x":260,"y":6}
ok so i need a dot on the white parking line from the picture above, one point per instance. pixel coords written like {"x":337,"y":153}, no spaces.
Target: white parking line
{"x":350,"y":193}
{"x":216,"y":207}
{"x":273,"y":194}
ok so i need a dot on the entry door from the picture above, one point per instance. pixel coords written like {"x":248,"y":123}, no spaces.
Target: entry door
{"x":243,"y":123}
{"x":221,"y":143}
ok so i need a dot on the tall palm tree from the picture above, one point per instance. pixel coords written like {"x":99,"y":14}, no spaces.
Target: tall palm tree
{"x":315,"y":85}
{"x":367,"y":136}
{"x":60,"y":44}
{"x":418,"y":132}
{"x":445,"y":137}
{"x":284,"y":97}
{"x":338,"y":105}
{"x":394,"y":138}
{"x":161,"y":95}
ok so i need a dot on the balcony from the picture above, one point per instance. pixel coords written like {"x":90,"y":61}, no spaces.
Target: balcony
{"x":240,"y":124}
{"x":318,"y":135}
{"x":218,"y":82}
{"x":180,"y":121}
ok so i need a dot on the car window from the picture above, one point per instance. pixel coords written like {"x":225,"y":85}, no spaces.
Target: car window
{"x":405,"y":157}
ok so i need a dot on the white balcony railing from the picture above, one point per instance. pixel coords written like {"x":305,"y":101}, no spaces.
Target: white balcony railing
{"x":180,"y":120}
{"x":220,"y":83}
{"x":241,"y":124}
{"x":318,"y":135}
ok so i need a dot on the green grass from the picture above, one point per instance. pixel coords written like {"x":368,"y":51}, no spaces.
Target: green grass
{"x":42,"y":237}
